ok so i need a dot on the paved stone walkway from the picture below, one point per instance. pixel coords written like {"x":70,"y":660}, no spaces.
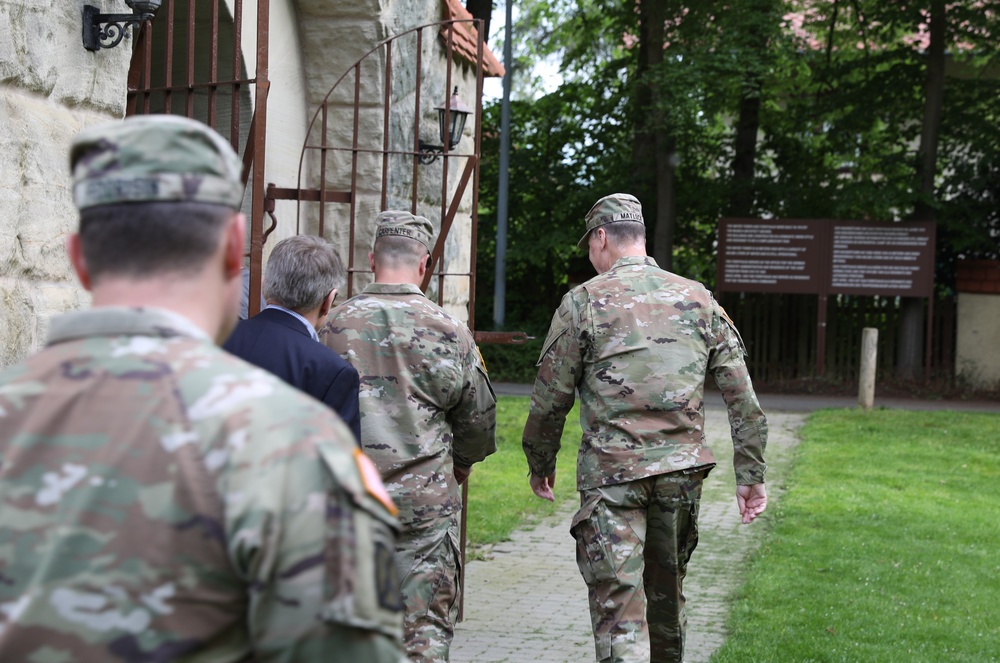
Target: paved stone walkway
{"x":527,"y":603}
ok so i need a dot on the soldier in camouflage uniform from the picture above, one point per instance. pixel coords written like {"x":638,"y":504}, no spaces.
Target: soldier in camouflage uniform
{"x":161,"y":500}
{"x":427,"y":414}
{"x":638,"y":343}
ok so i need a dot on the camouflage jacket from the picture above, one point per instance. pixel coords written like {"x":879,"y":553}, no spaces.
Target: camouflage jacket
{"x":161,"y":500}
{"x":426,"y":402}
{"x":638,"y":343}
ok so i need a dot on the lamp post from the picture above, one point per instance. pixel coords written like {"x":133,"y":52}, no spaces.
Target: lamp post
{"x":107,"y":30}
{"x":451,"y":123}
{"x":500,"y":260}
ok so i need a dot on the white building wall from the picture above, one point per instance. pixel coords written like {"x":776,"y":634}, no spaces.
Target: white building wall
{"x":287,"y":108}
{"x":977,"y":360}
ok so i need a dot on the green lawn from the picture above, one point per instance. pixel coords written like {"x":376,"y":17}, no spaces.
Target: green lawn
{"x":885,"y":547}
{"x":500,"y":499}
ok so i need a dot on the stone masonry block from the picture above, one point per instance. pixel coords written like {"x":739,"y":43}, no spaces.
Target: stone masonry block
{"x":41,"y":52}
{"x":320,"y":9}
{"x":332,"y":48}
{"x":978,"y":328}
{"x":28,"y":310}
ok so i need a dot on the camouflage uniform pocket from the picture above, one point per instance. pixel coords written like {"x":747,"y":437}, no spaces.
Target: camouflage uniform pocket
{"x":362,"y":585}
{"x":732,"y":335}
{"x":554,"y":335}
{"x":459,"y":580}
{"x":430,"y":568}
{"x":593,"y":541}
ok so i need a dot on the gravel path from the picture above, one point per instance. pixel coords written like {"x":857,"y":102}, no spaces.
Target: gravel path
{"x":528,"y":603}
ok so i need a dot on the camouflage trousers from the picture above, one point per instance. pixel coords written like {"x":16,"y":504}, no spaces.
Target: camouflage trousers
{"x":633,"y":543}
{"x":430,"y":572}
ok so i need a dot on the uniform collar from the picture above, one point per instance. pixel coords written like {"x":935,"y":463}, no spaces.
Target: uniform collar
{"x":634,"y":260}
{"x":393,"y":289}
{"x":122,"y":320}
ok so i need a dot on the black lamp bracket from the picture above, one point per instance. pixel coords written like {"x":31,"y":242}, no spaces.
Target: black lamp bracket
{"x":106,"y":30}
{"x":451,"y":121}
{"x":430,"y":152}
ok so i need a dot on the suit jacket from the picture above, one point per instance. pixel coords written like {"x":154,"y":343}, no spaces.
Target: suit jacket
{"x":280,"y":343}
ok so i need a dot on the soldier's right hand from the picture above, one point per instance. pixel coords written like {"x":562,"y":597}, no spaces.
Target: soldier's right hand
{"x":542,"y":486}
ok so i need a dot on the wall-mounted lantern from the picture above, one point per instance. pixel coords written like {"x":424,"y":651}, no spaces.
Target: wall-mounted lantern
{"x":457,"y":114}
{"x":106,"y":30}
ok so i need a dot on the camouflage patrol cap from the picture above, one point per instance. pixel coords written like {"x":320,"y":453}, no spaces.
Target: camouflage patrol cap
{"x":154,"y":158}
{"x":404,"y":224}
{"x":616,"y":207}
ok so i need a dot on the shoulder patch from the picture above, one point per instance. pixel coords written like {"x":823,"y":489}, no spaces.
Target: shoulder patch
{"x":740,"y":345}
{"x":481,"y":360}
{"x":726,"y":316}
{"x":372,"y":481}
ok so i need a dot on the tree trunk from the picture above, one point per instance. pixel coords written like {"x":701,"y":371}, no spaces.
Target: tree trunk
{"x":665,"y":158}
{"x":910,"y":352}
{"x":666,"y":201}
{"x":933,"y":112}
{"x":745,"y":151}
{"x":643,"y":145}
{"x":756,"y":41}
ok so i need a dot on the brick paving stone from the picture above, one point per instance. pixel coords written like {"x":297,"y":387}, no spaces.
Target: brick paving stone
{"x":528,"y":603}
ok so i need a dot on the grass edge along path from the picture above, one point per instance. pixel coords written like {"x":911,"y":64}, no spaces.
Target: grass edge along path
{"x":500,"y":499}
{"x":883,"y":547}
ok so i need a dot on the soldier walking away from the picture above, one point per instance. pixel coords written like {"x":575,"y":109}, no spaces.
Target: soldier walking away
{"x":638,"y":342}
{"x":428,"y":413}
{"x":160,"y":499}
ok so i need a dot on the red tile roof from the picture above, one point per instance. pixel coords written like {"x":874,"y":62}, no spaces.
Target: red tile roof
{"x":466,"y":39}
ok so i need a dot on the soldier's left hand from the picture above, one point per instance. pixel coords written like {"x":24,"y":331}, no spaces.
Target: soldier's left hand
{"x":752,"y":501}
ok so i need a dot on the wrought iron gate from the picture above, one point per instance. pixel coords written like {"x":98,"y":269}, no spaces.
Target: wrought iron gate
{"x":189,"y":61}
{"x":359,"y":156}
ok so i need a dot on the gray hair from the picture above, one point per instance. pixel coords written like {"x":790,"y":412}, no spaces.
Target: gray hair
{"x":396,"y":251}
{"x":301,"y":272}
{"x":625,"y":233}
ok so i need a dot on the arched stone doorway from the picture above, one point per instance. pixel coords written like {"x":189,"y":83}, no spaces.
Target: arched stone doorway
{"x":193,"y":61}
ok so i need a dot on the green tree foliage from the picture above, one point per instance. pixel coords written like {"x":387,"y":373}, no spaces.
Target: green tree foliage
{"x":788,"y":108}
{"x":563,"y":150}
{"x":842,"y":141}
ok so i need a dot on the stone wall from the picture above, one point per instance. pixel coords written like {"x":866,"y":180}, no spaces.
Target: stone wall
{"x":50,"y":88}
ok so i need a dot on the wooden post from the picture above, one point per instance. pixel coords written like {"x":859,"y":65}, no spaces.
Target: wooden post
{"x":866,"y":379}
{"x":821,"y":336}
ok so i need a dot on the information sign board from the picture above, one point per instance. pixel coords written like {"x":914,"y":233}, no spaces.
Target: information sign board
{"x":882,"y":259}
{"x":819,"y":256}
{"x":760,"y":256}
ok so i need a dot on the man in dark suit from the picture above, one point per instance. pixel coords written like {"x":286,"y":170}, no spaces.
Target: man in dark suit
{"x":300,"y":283}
